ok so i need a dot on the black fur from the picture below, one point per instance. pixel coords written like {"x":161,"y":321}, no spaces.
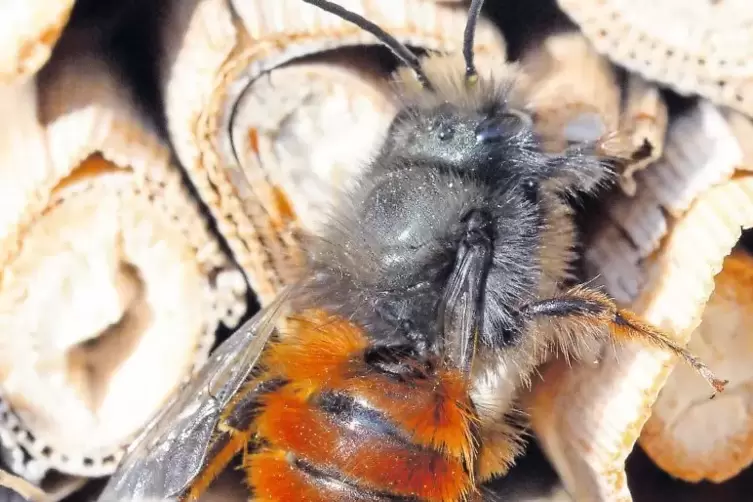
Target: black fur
{"x":392,"y":241}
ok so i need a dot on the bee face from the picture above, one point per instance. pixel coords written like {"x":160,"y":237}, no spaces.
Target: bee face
{"x":477,"y":141}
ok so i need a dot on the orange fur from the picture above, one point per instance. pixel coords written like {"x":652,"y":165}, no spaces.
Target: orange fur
{"x":275,"y":480}
{"x":316,"y":350}
{"x":436,"y":413}
{"x":496,"y":455}
{"x":291,"y":424}
{"x":321,"y":354}
{"x":327,"y":353}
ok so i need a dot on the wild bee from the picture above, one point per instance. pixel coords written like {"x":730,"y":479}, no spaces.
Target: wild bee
{"x":444,"y":278}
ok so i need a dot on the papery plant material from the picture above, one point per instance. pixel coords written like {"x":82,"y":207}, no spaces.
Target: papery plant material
{"x":742,"y":127}
{"x":24,"y":488}
{"x":111,"y":284}
{"x":689,"y":436}
{"x":701,"y":151}
{"x":264,"y":135}
{"x":55,"y":488}
{"x":702,"y":48}
{"x":644,"y":119}
{"x":657,"y":254}
{"x":28,"y":31}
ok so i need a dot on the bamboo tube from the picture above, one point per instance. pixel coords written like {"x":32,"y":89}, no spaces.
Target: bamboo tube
{"x":690,"y":438}
{"x":742,"y":128}
{"x":698,"y":439}
{"x":111,"y":285}
{"x":696,"y":48}
{"x":28,"y":32}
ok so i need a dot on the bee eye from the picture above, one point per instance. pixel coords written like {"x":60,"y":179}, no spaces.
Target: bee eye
{"x":497,"y":127}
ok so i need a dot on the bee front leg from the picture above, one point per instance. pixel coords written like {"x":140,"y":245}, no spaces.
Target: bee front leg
{"x":596,"y":310}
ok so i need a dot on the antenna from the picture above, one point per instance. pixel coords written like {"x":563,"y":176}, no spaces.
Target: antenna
{"x":400,"y":50}
{"x":468,"y":36}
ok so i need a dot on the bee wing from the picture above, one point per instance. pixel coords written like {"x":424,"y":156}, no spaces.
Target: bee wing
{"x":170,"y":451}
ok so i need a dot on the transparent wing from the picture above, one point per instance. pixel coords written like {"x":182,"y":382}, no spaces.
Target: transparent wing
{"x":170,"y":451}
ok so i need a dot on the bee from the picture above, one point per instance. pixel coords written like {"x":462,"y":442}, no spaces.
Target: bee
{"x":444,"y":278}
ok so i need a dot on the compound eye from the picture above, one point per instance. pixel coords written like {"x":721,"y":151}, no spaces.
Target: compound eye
{"x":496,"y":128}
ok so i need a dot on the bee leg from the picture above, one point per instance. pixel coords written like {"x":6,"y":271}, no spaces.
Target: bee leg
{"x":233,"y":434}
{"x":501,"y":442}
{"x":598,"y":310}
{"x":224,"y":451}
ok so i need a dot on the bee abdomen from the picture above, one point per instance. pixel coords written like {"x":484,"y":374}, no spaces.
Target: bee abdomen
{"x":278,"y":477}
{"x":327,"y":447}
{"x":342,"y":428}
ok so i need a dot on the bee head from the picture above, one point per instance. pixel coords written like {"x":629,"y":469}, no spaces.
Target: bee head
{"x":487,"y":130}
{"x":456,"y":138}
